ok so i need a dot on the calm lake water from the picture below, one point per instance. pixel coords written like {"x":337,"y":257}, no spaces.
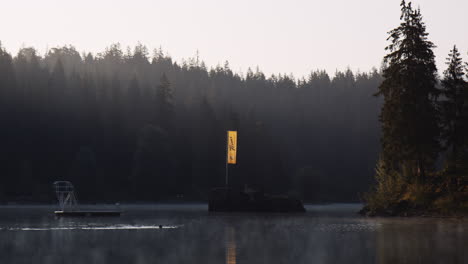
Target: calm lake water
{"x":189,"y":234}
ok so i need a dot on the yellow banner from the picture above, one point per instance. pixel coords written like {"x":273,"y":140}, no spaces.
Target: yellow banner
{"x":232,"y":147}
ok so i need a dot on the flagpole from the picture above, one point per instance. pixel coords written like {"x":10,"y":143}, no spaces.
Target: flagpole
{"x":227,"y":153}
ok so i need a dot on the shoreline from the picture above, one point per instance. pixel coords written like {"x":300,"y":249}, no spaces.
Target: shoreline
{"x":366,"y":212}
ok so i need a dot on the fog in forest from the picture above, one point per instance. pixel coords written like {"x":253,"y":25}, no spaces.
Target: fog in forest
{"x":152,"y":129}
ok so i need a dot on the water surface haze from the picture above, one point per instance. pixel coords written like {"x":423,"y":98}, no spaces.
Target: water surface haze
{"x":188,"y":233}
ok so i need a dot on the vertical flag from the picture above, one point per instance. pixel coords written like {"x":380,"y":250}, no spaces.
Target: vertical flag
{"x":232,"y":147}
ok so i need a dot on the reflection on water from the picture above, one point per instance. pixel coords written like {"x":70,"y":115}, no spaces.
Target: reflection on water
{"x":423,"y":241}
{"x":189,"y":234}
{"x":230,"y":245}
{"x":111,"y":227}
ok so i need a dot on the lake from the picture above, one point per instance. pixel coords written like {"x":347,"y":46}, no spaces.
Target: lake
{"x":187,"y":233}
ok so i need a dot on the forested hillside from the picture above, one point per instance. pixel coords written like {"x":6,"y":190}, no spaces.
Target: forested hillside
{"x":130,"y":126}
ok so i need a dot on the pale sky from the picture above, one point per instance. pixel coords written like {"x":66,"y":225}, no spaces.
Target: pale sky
{"x":294,"y":36}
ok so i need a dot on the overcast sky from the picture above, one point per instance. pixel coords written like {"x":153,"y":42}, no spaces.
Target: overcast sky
{"x":294,"y":36}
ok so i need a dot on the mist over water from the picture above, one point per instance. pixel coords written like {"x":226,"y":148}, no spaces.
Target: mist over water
{"x":188,"y":233}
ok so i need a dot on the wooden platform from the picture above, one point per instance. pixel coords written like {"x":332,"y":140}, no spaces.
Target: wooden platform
{"x":227,"y":200}
{"x":86,"y":213}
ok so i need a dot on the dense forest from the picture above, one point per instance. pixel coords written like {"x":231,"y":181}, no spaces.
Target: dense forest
{"x":130,"y":126}
{"x":423,"y":165}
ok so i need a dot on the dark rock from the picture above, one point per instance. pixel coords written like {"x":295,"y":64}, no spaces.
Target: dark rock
{"x":364,"y":211}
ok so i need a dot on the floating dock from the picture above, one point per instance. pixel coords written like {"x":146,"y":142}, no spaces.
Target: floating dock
{"x":227,"y":200}
{"x":86,"y":213}
{"x":69,"y":204}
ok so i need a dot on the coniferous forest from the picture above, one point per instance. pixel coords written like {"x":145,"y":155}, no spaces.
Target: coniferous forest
{"x":134,"y":126}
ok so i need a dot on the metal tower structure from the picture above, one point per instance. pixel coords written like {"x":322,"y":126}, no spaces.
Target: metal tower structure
{"x":66,"y":195}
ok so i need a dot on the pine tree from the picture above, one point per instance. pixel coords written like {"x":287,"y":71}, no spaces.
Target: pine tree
{"x":57,"y":82}
{"x":7,"y":77}
{"x":164,"y":104}
{"x":409,"y":114}
{"x":453,"y":106}
{"x":8,"y":103}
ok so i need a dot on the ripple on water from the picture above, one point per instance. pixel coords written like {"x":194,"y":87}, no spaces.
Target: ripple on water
{"x":111,"y":227}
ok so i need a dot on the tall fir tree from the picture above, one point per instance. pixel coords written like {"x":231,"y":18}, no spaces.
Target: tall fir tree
{"x":453,"y":107}
{"x":7,"y":78}
{"x":410,"y":137}
{"x":8,"y":102}
{"x":164,"y":104}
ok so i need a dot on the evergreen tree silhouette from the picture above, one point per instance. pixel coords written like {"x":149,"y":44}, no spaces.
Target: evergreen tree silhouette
{"x":164,"y":104}
{"x":409,"y":114}
{"x":454,"y":106}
